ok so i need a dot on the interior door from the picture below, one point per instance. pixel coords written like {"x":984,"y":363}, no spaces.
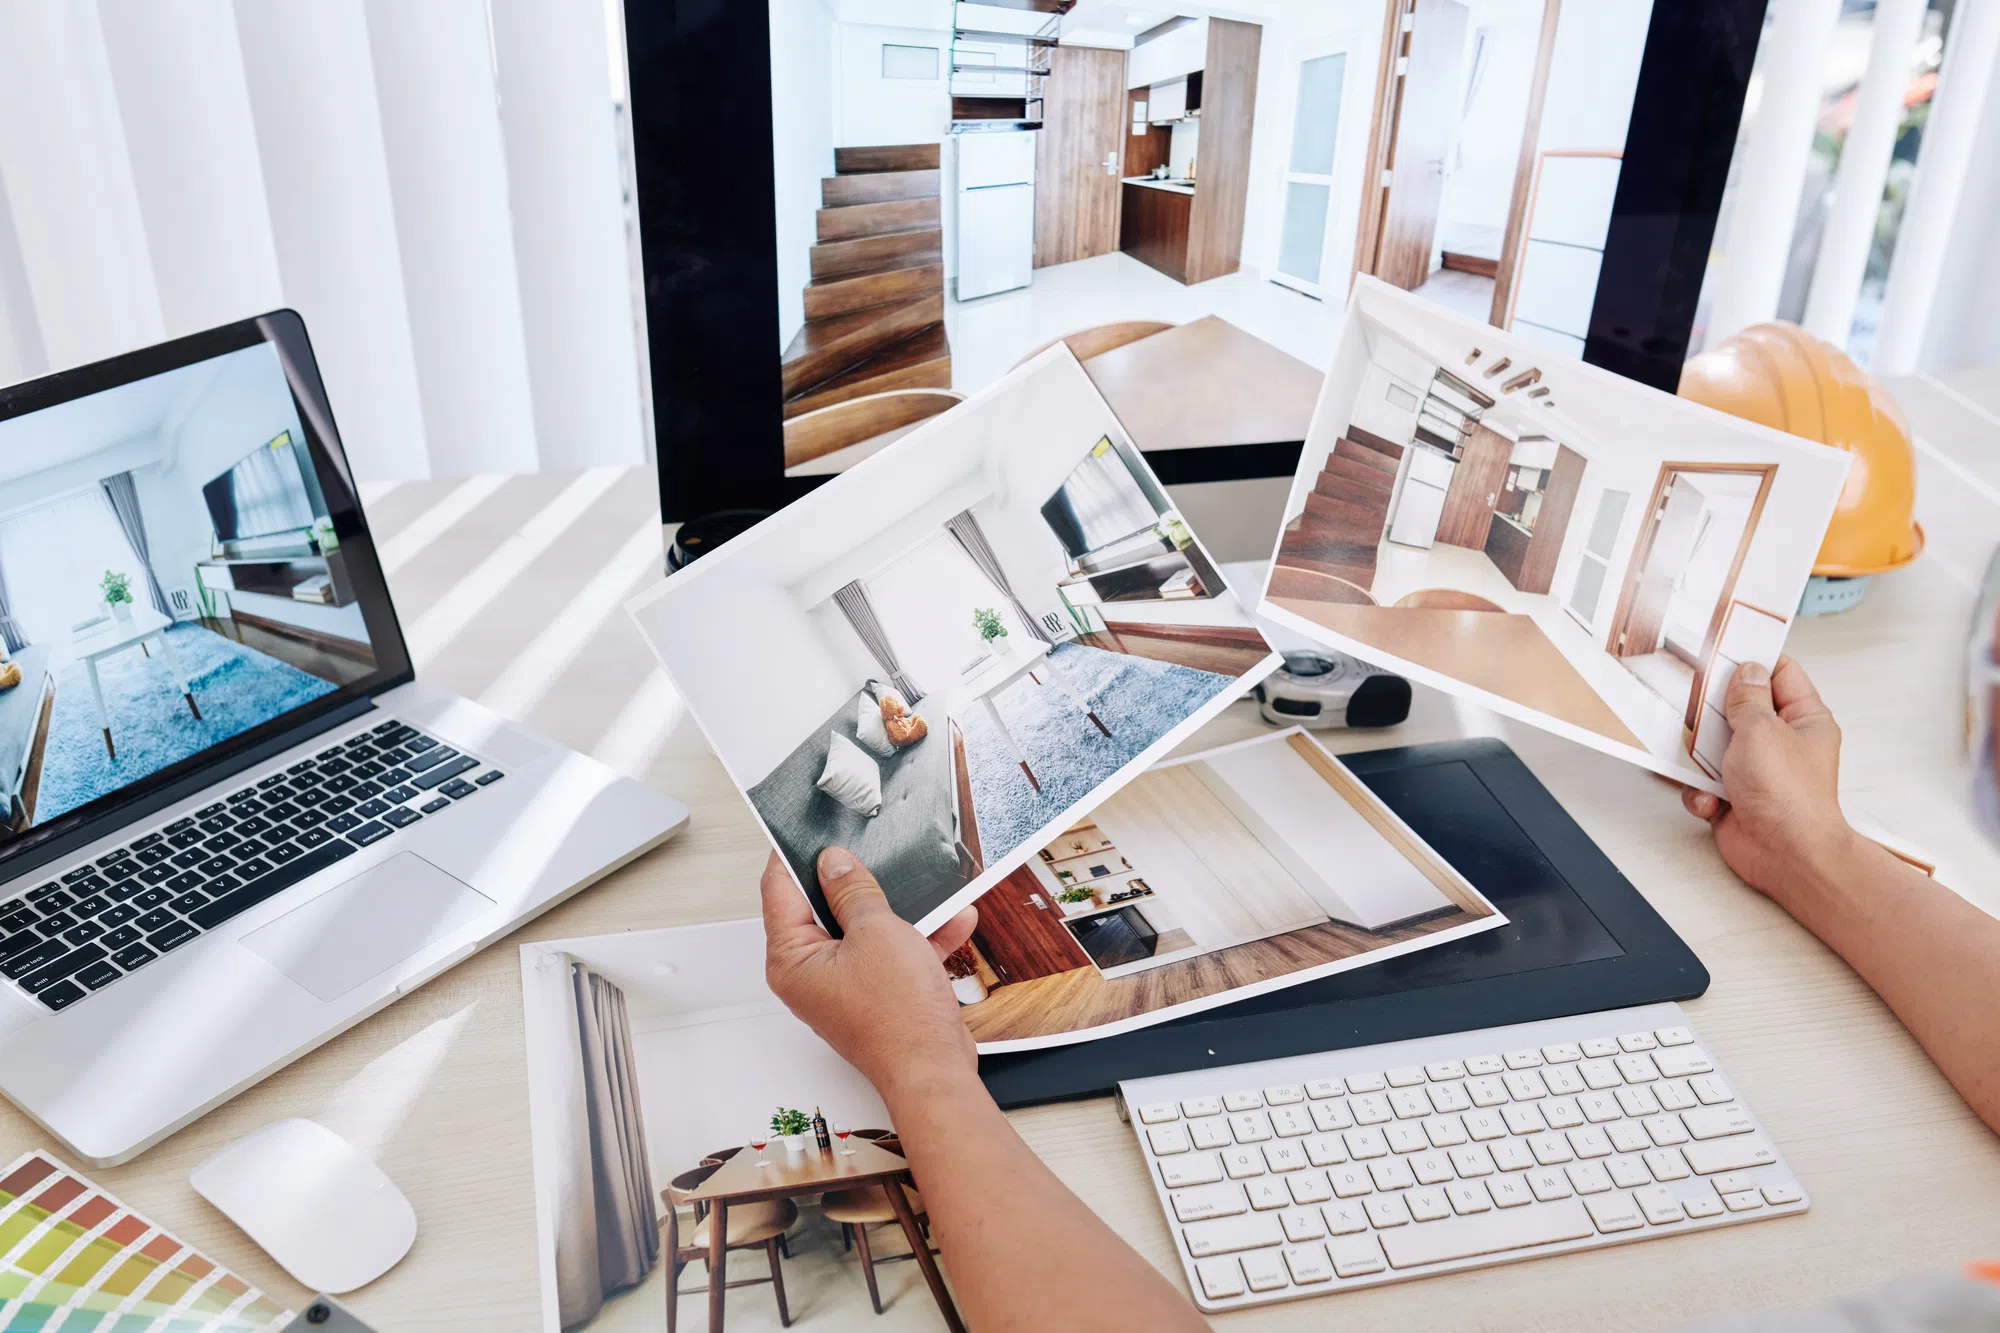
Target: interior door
{"x":1021,"y":931}
{"x":1475,"y":485}
{"x":1676,"y":524}
{"x":1078,"y":152}
{"x":1428,"y":105}
{"x":1309,"y":175}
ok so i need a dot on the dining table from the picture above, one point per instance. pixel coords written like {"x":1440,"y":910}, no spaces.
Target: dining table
{"x":1004,"y":668}
{"x":751,"y":1176}
{"x":1206,"y":383}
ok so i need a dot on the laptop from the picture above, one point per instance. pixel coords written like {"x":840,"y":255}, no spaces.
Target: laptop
{"x":234,"y":823}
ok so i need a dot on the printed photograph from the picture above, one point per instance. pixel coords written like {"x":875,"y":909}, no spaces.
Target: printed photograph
{"x":938,"y":658}
{"x":1575,"y":549}
{"x":169,"y":578}
{"x":1205,"y":880}
{"x":664,"y":1076}
{"x":1181,"y":192}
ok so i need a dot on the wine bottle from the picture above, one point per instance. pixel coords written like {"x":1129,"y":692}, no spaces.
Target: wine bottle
{"x":819,"y":1131}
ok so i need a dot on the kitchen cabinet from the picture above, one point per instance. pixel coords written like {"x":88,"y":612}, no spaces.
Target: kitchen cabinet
{"x":1526,"y":549}
{"x":1154,"y":227}
{"x":1168,"y":101}
{"x":1170,"y":55}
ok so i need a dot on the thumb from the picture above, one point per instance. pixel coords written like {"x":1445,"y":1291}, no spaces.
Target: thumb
{"x":1749,"y":696}
{"x":850,"y":890}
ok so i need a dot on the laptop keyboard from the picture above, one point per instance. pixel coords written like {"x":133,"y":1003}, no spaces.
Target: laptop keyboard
{"x":103,"y":920}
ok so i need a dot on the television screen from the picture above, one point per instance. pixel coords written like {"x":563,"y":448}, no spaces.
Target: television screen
{"x":1101,"y":502}
{"x":261,"y":496}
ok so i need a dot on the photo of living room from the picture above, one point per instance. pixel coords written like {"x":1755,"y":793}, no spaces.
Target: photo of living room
{"x":1204,"y":880}
{"x":169,"y":578}
{"x":1181,"y":191}
{"x":934,"y":660}
{"x":1580,"y":550}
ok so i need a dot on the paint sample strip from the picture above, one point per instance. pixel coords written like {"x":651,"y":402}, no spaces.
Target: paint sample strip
{"x":75,"y":1260}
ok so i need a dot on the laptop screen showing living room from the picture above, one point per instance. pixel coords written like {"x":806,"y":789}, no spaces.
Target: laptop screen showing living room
{"x":170,"y":580}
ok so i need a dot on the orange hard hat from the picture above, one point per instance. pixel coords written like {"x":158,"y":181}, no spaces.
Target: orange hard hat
{"x":1780,"y":376}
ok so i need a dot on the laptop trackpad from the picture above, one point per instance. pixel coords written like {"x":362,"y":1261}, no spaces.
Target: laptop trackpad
{"x":367,"y":925}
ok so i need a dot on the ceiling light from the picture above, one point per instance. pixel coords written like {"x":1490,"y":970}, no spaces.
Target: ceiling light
{"x":1499,"y":366}
{"x":664,"y":969}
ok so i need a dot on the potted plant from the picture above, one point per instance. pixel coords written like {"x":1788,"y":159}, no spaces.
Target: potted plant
{"x":1078,"y":893}
{"x":987,"y":621}
{"x":118,"y":594}
{"x":793,"y":1126}
{"x":962,"y":966}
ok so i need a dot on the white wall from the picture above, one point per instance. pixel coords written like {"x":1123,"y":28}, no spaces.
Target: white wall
{"x":802,"y":127}
{"x":1483,"y":161}
{"x":1350,"y":870}
{"x":870,"y":109}
{"x":1961,"y":329}
{"x":1594,"y":73}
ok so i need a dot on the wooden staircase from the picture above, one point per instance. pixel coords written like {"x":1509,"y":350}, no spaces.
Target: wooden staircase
{"x":1328,"y":551}
{"x":875,"y":306}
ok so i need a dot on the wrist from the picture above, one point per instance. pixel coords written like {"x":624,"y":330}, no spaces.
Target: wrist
{"x":1822,"y":867}
{"x":914,"y":1085}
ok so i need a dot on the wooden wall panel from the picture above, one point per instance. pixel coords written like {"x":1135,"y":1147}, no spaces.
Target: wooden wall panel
{"x":1228,"y":117}
{"x":1084,"y":123}
{"x":1468,"y":503}
{"x":1538,"y":571}
{"x":1023,"y":941}
{"x":1149,"y":148}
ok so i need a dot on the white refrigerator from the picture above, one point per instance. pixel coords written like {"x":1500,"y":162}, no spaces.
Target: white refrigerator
{"x":1421,"y":503}
{"x":996,"y":212}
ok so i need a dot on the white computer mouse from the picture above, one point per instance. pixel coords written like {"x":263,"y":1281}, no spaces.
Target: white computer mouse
{"x":327,"y":1214}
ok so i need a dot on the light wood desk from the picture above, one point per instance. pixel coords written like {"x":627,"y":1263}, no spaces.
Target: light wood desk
{"x":1206,"y":383}
{"x":1902,"y":1176}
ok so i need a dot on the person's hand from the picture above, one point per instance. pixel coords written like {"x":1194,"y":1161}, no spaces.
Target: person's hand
{"x":879,"y":996}
{"x":1782,"y":770}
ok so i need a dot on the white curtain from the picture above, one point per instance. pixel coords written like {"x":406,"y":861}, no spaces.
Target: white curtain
{"x":56,"y":556}
{"x":437,"y":188}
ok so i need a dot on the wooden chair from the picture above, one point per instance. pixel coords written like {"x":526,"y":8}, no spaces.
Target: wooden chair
{"x":720,"y":1155}
{"x":874,"y":1135}
{"x":1446,"y":599}
{"x":752,"y":1226}
{"x":857,"y":1210}
{"x":1086,"y":343}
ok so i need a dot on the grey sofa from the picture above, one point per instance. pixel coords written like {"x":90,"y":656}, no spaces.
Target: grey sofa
{"x":915,"y":846}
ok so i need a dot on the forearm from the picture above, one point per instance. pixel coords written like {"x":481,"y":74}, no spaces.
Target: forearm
{"x":1024,"y":1252}
{"x":1930,"y":954}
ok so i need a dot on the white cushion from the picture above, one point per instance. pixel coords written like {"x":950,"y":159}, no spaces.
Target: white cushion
{"x":869,"y":731}
{"x":851,"y":777}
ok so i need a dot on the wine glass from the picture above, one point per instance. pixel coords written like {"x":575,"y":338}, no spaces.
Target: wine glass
{"x":841,"y":1129}
{"x":760,"y":1138}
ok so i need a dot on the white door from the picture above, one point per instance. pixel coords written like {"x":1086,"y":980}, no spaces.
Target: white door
{"x":996,"y":239}
{"x":1417,"y":514}
{"x":1309,"y":186}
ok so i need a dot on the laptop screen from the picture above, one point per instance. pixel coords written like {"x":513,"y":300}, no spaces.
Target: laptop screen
{"x":183,"y":571}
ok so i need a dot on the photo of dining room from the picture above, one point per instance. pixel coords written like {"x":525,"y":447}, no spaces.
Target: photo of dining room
{"x":1576,"y":549}
{"x":1180,"y":190}
{"x":938,"y":657}
{"x":1206,"y":879}
{"x":661,"y":1072}
{"x":169,"y":578}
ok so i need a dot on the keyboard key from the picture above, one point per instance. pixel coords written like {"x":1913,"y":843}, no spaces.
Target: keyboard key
{"x":1743,"y":1201}
{"x":1364,"y":1083}
{"x":1614,"y":1212}
{"x":1363,"y":1144}
{"x":83,"y":933}
{"x":1431,"y":1168}
{"x":1638,"y":1100}
{"x":1549,"y":1184}
{"x":1224,"y":1235}
{"x":1444,"y":1071}
{"x":1525,"y":1084}
{"x":1600,"y":1074}
{"x":1242,"y":1163}
{"x":1444,"y":1131}
{"x":1637,"y":1068}
{"x":1219,"y":1277}
{"x":1628,"y":1136}
{"x":1472,"y":1161}
{"x":1202,"y":1168}
{"x":1350,"y":1181}
{"x":490,"y":776}
{"x":1325,"y":1150}
{"x":1328,"y":1116}
{"x":68,"y":965}
{"x":50,"y":904}
{"x":1344,"y":1219}
{"x":1717,"y":1122}
{"x":1249,"y":1126}
{"x":1782,"y":1194}
{"x":187,"y":902}
{"x":1356,"y":1256}
{"x":1674,"y":1036}
{"x":1370,"y":1109}
{"x":431,"y":756}
{"x":23,"y":961}
{"x":1406,"y":1136}
{"x":1628,"y":1172}
{"x":373,"y":831}
{"x":61,"y":996}
{"x":433,"y":806}
{"x":1566,"y":1052}
{"x":402,"y":817}
{"x":269,"y":885}
{"x":1205,"y":1201}
{"x":398,"y":794}
{"x":1195,"y":1106}
{"x":1679,"y":1062}
{"x":1211,"y":1131}
{"x":1666,"y":1164}
{"x":1405,"y":1076}
{"x":1387,"y":1210}
{"x":173,"y":937}
{"x":181,"y":883}
{"x":1600,"y":1047}
{"x":1588,"y":1177}
{"x":1266,"y":1271}
{"x":1563,"y":1081}
{"x":1166,"y":1140}
{"x":121,"y":937}
{"x":1527,"y":1058}
{"x":1309,"y":1187}
{"x":1308,"y":1263}
{"x":1511,"y":1154}
{"x":1731,"y":1154}
{"x":1409,"y":1103}
{"x":1510,"y":1191}
{"x":99,"y":975}
{"x":1159,"y":1113}
{"x":1698,"y":1208}
{"x":1267,"y":1194}
{"x":16,"y":916}
{"x":80,"y":873}
{"x":1484,"y":1064}
{"x":133,"y":957}
{"x":1488,"y":1233}
{"x":286,"y":852}
{"x":1637,"y":1041}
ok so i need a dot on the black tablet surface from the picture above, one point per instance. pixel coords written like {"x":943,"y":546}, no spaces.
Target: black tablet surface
{"x":1578,"y":938}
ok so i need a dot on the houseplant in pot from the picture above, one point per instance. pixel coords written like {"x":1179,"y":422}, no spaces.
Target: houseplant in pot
{"x":963,"y":969}
{"x":987,"y":621}
{"x":1076,"y":894}
{"x":793,"y":1126}
{"x":118,"y":594}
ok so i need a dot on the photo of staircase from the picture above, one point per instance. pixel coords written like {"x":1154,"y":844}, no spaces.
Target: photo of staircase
{"x":875,"y":306}
{"x":1328,"y":552}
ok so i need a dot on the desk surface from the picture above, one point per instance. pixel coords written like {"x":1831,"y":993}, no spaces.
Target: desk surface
{"x":1902,"y":1176}
{"x":1185,"y":388}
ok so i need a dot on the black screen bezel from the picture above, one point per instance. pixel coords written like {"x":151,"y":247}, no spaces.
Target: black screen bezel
{"x":699,"y":74}
{"x":287,"y":333}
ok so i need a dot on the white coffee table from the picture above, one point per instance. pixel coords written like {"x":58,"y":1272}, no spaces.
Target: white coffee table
{"x":145,"y":626}
{"x":1000,"y":672}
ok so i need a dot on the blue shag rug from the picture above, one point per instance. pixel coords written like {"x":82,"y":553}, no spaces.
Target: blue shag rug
{"x":1139,"y":699}
{"x":237,"y":687}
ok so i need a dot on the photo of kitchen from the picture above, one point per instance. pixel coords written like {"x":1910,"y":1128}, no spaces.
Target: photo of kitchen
{"x":1206,"y":879}
{"x":1577,"y":549}
{"x":1181,"y":192}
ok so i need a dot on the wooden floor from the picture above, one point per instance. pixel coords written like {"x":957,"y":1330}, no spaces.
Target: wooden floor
{"x":293,"y":652}
{"x":1084,"y":998}
{"x":1222,"y":659}
{"x":1498,"y":652}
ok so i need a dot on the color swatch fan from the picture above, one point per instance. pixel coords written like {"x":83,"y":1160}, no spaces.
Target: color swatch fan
{"x":75,"y":1260}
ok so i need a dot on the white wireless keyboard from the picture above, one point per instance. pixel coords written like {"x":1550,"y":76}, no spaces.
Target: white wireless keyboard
{"x":1351,"y":1168}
